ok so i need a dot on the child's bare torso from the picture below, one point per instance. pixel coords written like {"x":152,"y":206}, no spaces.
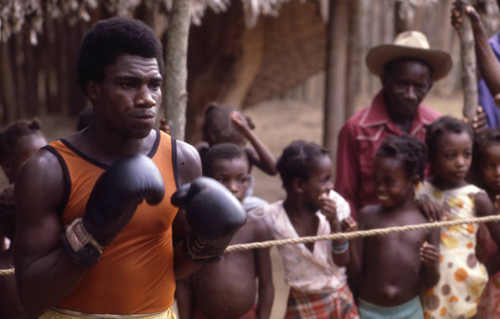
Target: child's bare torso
{"x":227,"y":289}
{"x":391,"y":273}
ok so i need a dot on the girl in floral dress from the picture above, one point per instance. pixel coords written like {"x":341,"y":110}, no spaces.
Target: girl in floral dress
{"x":463,"y":278}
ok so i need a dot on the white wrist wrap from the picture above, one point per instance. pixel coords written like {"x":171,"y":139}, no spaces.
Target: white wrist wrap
{"x":78,"y":236}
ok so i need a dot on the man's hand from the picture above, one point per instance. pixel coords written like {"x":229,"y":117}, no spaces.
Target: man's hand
{"x":214,"y":216}
{"x":479,"y":121}
{"x":111,"y":205}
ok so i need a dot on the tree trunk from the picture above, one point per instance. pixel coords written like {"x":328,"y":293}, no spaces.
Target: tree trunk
{"x":176,"y":68}
{"x":468,"y":58}
{"x":31,"y":68}
{"x":335,"y":74}
{"x":6,"y":84}
{"x":20,"y":64}
{"x":62,"y":63}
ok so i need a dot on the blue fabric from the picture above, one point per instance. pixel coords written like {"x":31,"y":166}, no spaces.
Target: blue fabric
{"x":409,"y":310}
{"x":485,"y":99}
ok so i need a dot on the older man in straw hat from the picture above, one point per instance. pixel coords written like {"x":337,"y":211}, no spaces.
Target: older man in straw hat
{"x":407,"y":69}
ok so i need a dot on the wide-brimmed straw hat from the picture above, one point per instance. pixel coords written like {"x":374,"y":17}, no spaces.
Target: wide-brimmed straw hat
{"x":409,"y":44}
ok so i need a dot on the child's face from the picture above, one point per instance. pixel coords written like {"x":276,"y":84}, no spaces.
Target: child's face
{"x":489,"y":168}
{"x":232,"y":173}
{"x":319,"y":182}
{"x":393,"y":186}
{"x":452,"y":159}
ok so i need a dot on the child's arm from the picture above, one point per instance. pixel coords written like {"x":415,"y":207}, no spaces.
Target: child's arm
{"x":264,"y":275}
{"x":485,"y":207}
{"x":355,"y":266}
{"x":340,"y":247}
{"x":429,"y":255}
{"x":430,"y":208}
{"x":259,"y":153}
{"x":184,"y":298}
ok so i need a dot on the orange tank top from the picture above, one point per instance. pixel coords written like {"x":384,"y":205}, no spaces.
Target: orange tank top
{"x":135,"y":274}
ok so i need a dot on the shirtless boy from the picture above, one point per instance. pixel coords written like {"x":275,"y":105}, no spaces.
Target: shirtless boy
{"x":393,"y":267}
{"x":227,"y":289}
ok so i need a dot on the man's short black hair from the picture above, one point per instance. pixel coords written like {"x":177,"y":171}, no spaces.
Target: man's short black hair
{"x":388,"y":68}
{"x":108,"y":39}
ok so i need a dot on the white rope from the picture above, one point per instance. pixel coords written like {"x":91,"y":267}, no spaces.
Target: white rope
{"x":361,"y":233}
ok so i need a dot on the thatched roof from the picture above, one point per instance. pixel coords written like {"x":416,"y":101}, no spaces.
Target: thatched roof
{"x":18,"y":14}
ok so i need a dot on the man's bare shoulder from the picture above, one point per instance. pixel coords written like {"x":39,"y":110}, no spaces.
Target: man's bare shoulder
{"x":188,"y":162}
{"x":43,"y":165}
{"x":40,"y":180}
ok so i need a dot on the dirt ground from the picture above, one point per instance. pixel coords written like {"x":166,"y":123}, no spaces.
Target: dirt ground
{"x":278,"y":123}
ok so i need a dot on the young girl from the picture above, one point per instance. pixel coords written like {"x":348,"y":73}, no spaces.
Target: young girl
{"x":314,"y":271}
{"x":486,"y":168}
{"x":18,"y":142}
{"x":463,"y":277}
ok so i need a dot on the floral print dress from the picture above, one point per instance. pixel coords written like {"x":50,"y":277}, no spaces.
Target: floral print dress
{"x":462,"y":276}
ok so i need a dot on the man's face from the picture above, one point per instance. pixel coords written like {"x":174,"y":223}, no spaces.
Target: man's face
{"x":129,"y":96}
{"x":405,"y":84}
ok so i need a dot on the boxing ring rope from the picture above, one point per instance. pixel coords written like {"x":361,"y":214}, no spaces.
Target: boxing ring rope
{"x":348,"y":235}
{"x":361,"y":233}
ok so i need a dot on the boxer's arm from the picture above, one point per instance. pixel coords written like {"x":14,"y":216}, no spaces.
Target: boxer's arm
{"x":184,"y":298}
{"x":45,"y":272}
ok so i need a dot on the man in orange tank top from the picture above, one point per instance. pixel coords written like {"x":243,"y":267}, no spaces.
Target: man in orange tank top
{"x":87,"y":244}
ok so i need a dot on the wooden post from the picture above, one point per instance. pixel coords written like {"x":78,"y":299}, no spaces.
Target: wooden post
{"x":468,"y":58}
{"x":334,"y":111}
{"x":174,"y":90}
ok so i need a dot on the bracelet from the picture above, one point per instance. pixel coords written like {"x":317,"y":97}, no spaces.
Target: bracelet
{"x":340,"y":249}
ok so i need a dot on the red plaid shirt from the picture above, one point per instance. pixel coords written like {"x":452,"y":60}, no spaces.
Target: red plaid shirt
{"x":359,"y":139}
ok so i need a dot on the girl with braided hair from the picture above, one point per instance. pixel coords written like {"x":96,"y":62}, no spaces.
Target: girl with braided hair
{"x":316,"y":271}
{"x":462,"y":277}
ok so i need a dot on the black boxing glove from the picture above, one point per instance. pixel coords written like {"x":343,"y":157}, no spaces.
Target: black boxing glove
{"x":111,"y":205}
{"x":214,"y":215}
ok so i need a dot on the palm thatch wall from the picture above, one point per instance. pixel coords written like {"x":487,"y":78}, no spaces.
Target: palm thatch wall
{"x":240,"y":52}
